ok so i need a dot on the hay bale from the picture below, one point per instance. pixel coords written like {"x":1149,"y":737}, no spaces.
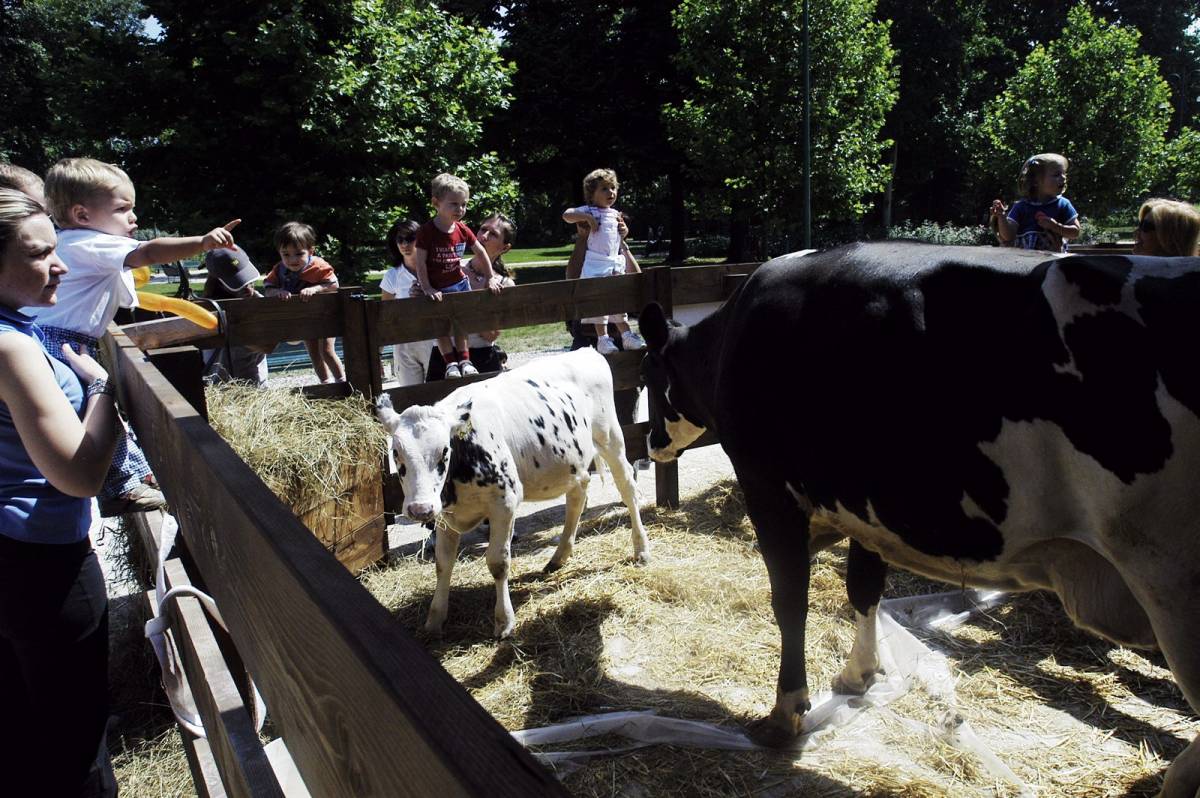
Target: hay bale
{"x":692,"y":635}
{"x":321,"y":457}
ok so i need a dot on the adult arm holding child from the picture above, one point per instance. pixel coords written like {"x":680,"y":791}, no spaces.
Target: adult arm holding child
{"x":73,"y":454}
{"x":577,"y":216}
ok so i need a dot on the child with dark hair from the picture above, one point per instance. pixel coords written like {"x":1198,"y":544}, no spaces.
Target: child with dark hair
{"x":1044,"y":219}
{"x":301,"y":273}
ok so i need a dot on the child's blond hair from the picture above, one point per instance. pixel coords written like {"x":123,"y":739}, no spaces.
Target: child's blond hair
{"x":1032,"y":170}
{"x":597,"y":178}
{"x":80,"y":181}
{"x":20,"y":179}
{"x":295,"y":234}
{"x":445,"y":183}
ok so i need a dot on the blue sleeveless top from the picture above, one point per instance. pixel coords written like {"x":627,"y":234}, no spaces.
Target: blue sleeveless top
{"x":31,"y":509}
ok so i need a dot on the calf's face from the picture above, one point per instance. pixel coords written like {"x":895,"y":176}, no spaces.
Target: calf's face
{"x":421,"y":448}
{"x":674,"y":419}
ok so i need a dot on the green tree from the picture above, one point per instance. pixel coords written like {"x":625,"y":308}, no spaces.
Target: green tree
{"x":72,"y":73}
{"x":1183,"y":165}
{"x":741,"y":123}
{"x":1092,"y":96}
{"x":336,"y":112}
{"x":591,"y":79}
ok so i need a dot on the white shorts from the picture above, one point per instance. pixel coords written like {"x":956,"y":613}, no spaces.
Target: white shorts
{"x":410,"y":361}
{"x":597,"y":265}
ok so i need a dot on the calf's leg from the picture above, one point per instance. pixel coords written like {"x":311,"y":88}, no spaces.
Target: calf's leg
{"x":576,"y":501}
{"x":499,"y":559}
{"x":866,"y":573}
{"x":445,"y":552}
{"x":613,"y":453}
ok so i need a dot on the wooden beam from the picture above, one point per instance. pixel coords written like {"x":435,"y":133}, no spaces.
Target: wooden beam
{"x":232,"y":738}
{"x":519,"y":306}
{"x":161,"y":333}
{"x":183,"y":367}
{"x":626,"y":369}
{"x":364,"y":709}
{"x":364,"y":369}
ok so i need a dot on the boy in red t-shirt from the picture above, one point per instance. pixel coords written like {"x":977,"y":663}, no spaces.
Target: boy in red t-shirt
{"x":300,"y":273}
{"x":441,"y":244}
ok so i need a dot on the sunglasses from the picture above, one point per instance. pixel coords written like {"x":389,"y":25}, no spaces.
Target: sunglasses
{"x":407,"y":239}
{"x":1145,"y":225}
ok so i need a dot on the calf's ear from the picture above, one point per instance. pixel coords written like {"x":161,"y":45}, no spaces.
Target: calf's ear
{"x":652,"y":323}
{"x":387,"y":416}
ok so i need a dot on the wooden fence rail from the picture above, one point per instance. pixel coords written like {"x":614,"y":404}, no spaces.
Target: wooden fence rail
{"x":364,"y":710}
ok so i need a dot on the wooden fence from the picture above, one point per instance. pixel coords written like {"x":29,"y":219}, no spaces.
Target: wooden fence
{"x":361,"y":706}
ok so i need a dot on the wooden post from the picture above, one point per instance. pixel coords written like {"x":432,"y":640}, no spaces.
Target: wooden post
{"x":362,"y":355}
{"x":666,"y":475}
{"x":183,"y":366}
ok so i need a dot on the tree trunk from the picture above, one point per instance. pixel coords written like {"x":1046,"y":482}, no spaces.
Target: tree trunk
{"x":678,"y":251}
{"x":887,"y":194}
{"x":739,"y":234}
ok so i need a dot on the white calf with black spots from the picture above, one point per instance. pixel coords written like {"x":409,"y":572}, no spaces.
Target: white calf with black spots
{"x":530,"y":433}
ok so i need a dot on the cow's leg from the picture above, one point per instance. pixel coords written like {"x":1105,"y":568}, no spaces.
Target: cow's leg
{"x":576,"y":501}
{"x":865,"y":575}
{"x":499,"y":559}
{"x":613,"y":453}
{"x":782,"y":528}
{"x":445,"y":553}
{"x":1171,"y":598}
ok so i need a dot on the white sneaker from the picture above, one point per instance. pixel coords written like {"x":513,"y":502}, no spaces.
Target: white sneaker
{"x":467,"y":368}
{"x":606,"y":345}
{"x":453,"y":371}
{"x":631,"y":341}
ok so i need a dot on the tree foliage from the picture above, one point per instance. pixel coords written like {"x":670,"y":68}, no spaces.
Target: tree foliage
{"x":1183,"y":165}
{"x":1094,"y":97}
{"x":72,"y":73}
{"x":591,"y":78}
{"x":741,"y":121}
{"x":336,"y":112}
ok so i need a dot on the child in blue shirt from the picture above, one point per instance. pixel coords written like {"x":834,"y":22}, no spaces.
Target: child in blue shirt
{"x":1044,"y":219}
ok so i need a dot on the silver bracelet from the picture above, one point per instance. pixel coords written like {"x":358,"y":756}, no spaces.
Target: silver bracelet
{"x":99,"y":386}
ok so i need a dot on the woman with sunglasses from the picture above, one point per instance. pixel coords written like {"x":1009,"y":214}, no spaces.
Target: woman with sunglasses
{"x":410,"y":360}
{"x":1167,"y":228}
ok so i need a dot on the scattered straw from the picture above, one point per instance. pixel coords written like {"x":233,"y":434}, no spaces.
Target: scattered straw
{"x":692,"y":635}
{"x":306,"y":450}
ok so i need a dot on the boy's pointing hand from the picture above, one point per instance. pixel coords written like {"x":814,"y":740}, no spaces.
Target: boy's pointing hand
{"x":220,"y":237}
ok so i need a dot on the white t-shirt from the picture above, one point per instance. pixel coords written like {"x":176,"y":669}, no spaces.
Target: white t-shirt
{"x":95,"y":285}
{"x":606,"y":238}
{"x":397,"y":281}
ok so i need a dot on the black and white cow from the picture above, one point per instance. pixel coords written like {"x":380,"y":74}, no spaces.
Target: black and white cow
{"x":529,"y":433}
{"x":982,"y":416}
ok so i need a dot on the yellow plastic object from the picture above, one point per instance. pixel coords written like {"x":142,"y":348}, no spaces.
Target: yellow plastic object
{"x":180,"y":307}
{"x":141,"y":276}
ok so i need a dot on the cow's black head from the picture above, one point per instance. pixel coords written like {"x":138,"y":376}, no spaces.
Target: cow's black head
{"x":675,"y":420}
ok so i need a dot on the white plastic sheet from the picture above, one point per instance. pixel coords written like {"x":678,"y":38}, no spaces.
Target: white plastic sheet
{"x":905,"y":660}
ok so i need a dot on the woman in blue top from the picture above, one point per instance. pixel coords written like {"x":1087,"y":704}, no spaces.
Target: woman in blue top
{"x":57,"y":435}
